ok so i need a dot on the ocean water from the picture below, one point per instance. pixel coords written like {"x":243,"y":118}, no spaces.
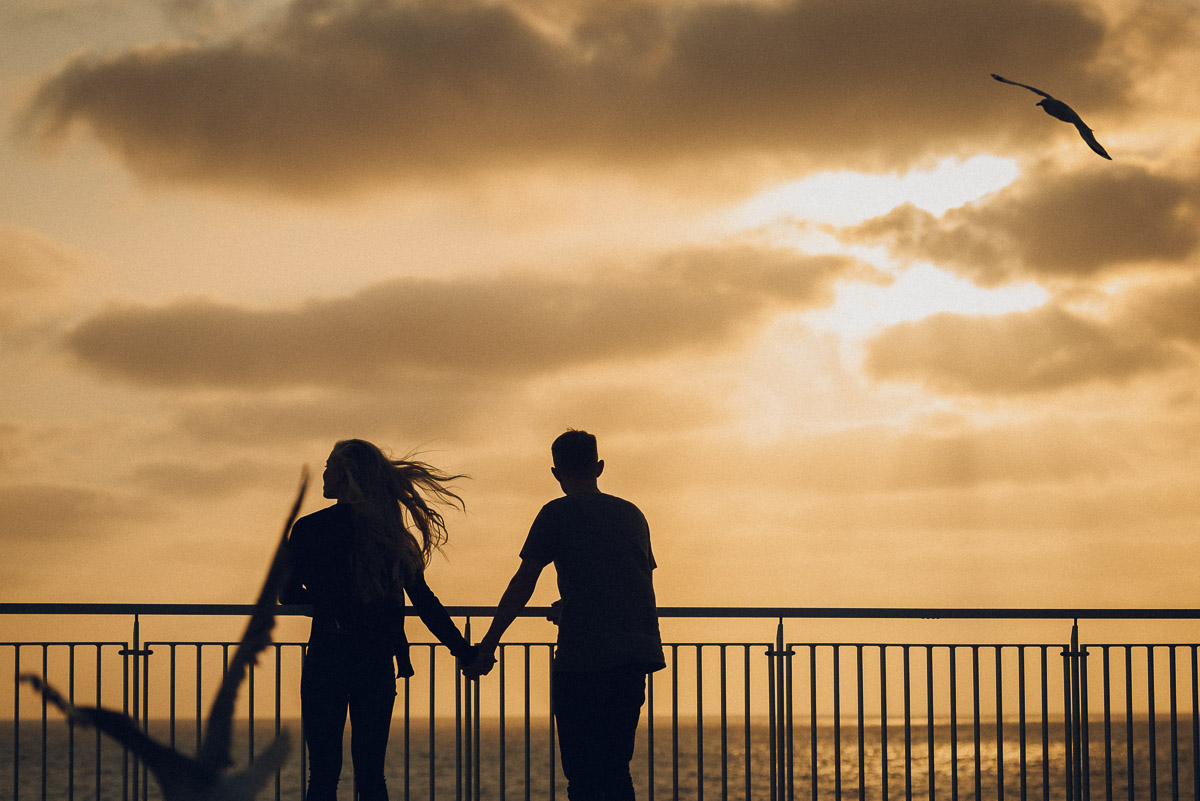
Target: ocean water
{"x":688,"y":763}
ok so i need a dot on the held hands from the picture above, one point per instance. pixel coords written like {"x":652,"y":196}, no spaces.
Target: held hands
{"x":481,"y":665}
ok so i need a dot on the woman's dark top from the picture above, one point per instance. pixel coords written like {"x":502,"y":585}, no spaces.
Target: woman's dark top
{"x":322,"y":576}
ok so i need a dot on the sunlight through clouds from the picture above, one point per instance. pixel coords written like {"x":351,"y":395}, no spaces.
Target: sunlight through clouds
{"x":918,"y":292}
{"x":846,"y":198}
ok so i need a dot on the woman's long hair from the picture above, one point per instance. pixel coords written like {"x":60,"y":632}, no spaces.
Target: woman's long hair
{"x":392,"y":496}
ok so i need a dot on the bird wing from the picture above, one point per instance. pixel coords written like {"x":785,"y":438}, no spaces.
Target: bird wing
{"x":168,"y":766}
{"x":1090,"y":138}
{"x":1022,"y":85}
{"x":214,"y":751}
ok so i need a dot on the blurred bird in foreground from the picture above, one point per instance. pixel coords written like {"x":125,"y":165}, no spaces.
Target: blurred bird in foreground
{"x":1061,"y":111}
{"x":203,"y":777}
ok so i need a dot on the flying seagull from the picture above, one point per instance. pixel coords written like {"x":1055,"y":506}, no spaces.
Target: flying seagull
{"x":1061,"y":111}
{"x":203,"y":777}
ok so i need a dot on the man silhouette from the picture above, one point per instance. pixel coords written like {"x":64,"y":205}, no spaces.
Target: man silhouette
{"x":608,"y":637}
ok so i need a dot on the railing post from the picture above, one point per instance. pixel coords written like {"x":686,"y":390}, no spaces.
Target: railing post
{"x":1078,"y":783}
{"x":780,"y":725}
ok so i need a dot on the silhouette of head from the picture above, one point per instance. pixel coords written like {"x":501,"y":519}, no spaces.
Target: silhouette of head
{"x":383,"y":490}
{"x":576,"y":457}
{"x":358,"y":471}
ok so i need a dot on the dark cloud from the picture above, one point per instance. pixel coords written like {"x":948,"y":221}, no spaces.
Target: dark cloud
{"x":178,"y":479}
{"x":36,"y":515}
{"x":1053,"y":225}
{"x":341,"y":94}
{"x":419,"y":409}
{"x":499,"y":326}
{"x":1028,"y":352}
{"x":1171,"y":309}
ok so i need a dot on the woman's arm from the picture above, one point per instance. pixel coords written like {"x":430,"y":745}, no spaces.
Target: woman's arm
{"x":435,"y":617}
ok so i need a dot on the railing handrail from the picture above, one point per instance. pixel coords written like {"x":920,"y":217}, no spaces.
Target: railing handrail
{"x":735,"y":612}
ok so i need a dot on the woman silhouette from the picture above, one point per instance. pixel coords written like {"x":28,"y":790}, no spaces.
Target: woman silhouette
{"x":354,"y":561}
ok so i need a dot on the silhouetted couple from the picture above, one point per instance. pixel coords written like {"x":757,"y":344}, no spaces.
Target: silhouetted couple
{"x":354,"y":562}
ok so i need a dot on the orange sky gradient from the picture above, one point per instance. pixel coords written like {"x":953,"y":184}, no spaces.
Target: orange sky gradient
{"x":855,"y":324}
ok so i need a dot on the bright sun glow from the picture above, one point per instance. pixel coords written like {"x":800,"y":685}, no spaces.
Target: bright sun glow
{"x":846,"y":198}
{"x":920,"y":291}
{"x":780,"y":215}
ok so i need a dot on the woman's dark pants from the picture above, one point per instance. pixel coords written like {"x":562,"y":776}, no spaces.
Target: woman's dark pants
{"x":340,"y":676}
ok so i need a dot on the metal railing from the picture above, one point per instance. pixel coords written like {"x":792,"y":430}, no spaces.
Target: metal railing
{"x":771,"y":717}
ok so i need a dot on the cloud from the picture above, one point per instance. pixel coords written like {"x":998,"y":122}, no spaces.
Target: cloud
{"x":1171,"y":309}
{"x":339,"y":95}
{"x":33,"y":268}
{"x":1030,"y":352}
{"x":495,"y":327}
{"x":179,"y":479}
{"x":37,"y":515}
{"x":1079,"y":225}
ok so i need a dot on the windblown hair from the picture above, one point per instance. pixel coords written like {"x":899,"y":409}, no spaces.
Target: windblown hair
{"x":393,"y":496}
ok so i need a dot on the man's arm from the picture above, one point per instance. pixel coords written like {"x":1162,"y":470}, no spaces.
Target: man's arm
{"x":520,"y":590}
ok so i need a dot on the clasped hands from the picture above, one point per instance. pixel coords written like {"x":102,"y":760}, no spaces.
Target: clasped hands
{"x":485,"y":655}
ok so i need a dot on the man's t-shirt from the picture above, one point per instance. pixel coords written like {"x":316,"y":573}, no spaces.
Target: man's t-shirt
{"x":600,"y":547}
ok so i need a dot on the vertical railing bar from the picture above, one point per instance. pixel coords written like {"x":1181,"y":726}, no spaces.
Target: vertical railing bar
{"x":99,"y":671}
{"x":999,"y":723}
{"x":171,"y":694}
{"x":724,"y":726}
{"x":17,"y":721}
{"x":837,"y":721}
{"x":278,"y":713}
{"x":929,"y":727}
{"x":789,"y":742}
{"x":432,"y":725}
{"x":1129,"y":721}
{"x":1069,"y":726}
{"x":773,"y":745}
{"x":699,"y":723}
{"x":907,"y":723}
{"x":199,"y":690}
{"x":503,"y":728}
{"x":1174,"y":727}
{"x":460,"y":738}
{"x":1152,"y":746}
{"x":1022,"y":732}
{"x":883,"y":720}
{"x":528,"y":726}
{"x":304,"y":750}
{"x":675,"y":721}
{"x":1085,"y":723}
{"x":812,"y":717}
{"x":650,"y":735}
{"x":862,"y":752}
{"x":71,"y":723}
{"x":975,"y":721}
{"x":145,"y":658}
{"x":553,"y":764}
{"x":1108,"y":765}
{"x":1195,"y":727}
{"x":1045,"y":670}
{"x":125,"y":709}
{"x":953,"y":723}
{"x":407,"y":737}
{"x":476,"y":691}
{"x":746,"y":718}
{"x":45,"y":718}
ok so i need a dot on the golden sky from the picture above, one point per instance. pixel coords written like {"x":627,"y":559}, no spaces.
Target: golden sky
{"x":855,"y":324}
